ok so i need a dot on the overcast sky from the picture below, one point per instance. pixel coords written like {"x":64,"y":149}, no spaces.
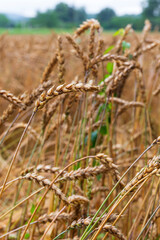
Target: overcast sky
{"x":28,"y":8}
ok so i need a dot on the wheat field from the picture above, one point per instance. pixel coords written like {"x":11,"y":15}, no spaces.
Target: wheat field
{"x":80,"y":135}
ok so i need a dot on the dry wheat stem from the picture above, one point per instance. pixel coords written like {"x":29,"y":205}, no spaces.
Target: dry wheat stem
{"x":152,"y":166}
{"x":140,"y":177}
{"x":12,"y":181}
{"x":118,"y":200}
{"x":156,"y":141}
{"x":15,"y":230}
{"x":102,"y":99}
{"x":155,"y":211}
{"x":122,"y":211}
{"x":8,"y":129}
{"x":18,"y":204}
{"x":157,"y":91}
{"x":137,"y":219}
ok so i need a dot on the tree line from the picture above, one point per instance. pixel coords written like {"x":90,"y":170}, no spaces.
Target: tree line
{"x":65,"y":16}
{"x":62,"y":15}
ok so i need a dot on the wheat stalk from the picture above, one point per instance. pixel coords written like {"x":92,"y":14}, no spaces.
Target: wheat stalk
{"x":61,"y":61}
{"x":11,"y":98}
{"x":62,"y":89}
{"x":86,"y":25}
{"x":46,"y":183}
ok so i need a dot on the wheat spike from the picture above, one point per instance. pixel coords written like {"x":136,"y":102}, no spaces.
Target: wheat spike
{"x":62,"y":89}
{"x":46,"y":183}
{"x":86,"y":25}
{"x":11,"y":98}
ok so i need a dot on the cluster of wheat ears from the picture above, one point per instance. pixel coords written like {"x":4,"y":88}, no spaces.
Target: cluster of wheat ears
{"x":79,"y":152}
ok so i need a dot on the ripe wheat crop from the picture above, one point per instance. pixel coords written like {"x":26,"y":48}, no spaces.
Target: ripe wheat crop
{"x":80,"y":135}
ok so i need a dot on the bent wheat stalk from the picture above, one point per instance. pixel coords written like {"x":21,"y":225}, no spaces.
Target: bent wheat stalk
{"x":62,"y":89}
{"x":89,"y":228}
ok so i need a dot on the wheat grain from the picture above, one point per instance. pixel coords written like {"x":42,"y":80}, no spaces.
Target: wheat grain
{"x":86,"y":25}
{"x":61,"y":61}
{"x":114,"y":231}
{"x":49,"y":69}
{"x":62,"y":89}
{"x":46,"y":183}
{"x":11,"y":98}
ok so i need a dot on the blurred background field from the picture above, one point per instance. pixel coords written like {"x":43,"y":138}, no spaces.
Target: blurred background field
{"x":31,"y":31}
